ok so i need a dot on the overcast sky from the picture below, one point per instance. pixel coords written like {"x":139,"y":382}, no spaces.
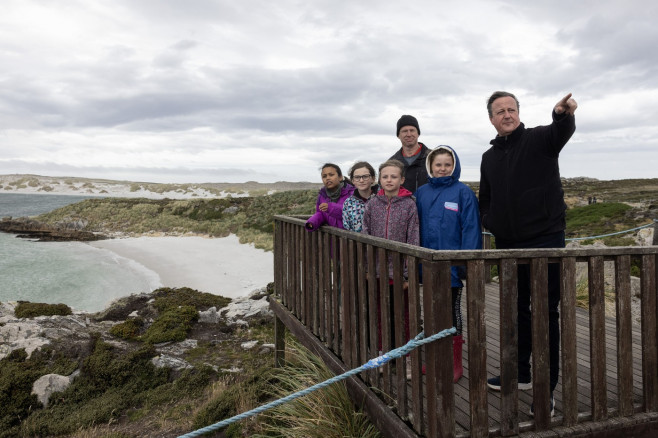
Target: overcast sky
{"x":264,"y":90}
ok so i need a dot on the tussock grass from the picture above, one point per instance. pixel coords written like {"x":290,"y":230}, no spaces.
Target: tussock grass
{"x":326,"y":413}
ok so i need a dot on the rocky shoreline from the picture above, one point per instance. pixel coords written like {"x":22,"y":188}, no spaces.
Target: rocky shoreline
{"x":32,"y":229}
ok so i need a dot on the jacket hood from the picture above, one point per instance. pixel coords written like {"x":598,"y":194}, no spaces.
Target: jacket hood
{"x":401,"y":194}
{"x":456,"y":171}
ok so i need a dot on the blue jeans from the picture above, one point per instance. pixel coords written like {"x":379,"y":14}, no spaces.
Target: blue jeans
{"x":555,"y":240}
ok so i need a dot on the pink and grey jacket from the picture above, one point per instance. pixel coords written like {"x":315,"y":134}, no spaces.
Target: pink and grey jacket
{"x":393,"y":219}
{"x":334,"y":214}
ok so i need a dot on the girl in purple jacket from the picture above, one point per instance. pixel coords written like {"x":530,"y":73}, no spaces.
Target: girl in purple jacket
{"x":329,"y":206}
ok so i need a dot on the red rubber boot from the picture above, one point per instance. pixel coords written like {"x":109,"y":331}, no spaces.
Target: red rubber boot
{"x":458,"y":370}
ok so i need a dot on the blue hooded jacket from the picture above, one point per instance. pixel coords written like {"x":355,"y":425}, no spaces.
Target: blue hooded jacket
{"x":448,"y":212}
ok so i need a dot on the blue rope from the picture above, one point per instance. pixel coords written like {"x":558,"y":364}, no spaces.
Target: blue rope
{"x":613,"y":234}
{"x":372,"y":363}
{"x":599,"y":236}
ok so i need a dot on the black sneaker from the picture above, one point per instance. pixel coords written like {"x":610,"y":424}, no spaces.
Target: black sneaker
{"x":494,"y":383}
{"x":532,"y":408}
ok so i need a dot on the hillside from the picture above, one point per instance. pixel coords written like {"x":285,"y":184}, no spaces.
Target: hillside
{"x":132,"y":189}
{"x":217,"y":209}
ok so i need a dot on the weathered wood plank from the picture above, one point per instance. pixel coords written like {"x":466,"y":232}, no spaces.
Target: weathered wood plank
{"x":385,"y":318}
{"x":307,"y":282}
{"x":362,"y":305}
{"x":325,"y":281}
{"x":415,"y":326}
{"x":624,"y":334}
{"x":649,"y":331}
{"x":477,"y":348}
{"x":345,"y":291}
{"x":294,"y":272}
{"x":400,"y":313}
{"x":509,"y":340}
{"x":568,"y":335}
{"x":335,"y":293}
{"x":374,"y":314}
{"x":314,"y":295}
{"x":541,"y":381}
{"x":597,"y":338}
{"x":438,"y":316}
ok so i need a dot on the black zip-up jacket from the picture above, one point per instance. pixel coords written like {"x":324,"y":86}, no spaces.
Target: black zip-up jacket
{"x":521,"y":194}
{"x":415,"y":175}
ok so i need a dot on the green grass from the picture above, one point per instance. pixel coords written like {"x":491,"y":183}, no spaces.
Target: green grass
{"x":605,"y":218}
{"x":597,"y":218}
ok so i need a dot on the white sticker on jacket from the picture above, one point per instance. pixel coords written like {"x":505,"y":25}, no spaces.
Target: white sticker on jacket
{"x":452,"y":206}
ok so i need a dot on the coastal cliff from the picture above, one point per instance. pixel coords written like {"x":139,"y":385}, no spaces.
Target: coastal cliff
{"x":64,"y":372}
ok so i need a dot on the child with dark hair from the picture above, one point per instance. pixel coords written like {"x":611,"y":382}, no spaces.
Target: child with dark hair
{"x":362,"y":176}
{"x":329,"y":206}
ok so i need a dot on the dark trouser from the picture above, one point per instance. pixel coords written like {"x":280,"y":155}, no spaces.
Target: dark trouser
{"x":555,"y":240}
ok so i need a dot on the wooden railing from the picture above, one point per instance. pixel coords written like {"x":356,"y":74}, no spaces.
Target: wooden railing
{"x":326,"y":283}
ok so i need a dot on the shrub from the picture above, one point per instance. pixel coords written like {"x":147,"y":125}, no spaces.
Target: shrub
{"x":171,"y":298}
{"x":26,"y":309}
{"x":129,"y":330}
{"x":171,"y":325}
{"x":110,"y":382}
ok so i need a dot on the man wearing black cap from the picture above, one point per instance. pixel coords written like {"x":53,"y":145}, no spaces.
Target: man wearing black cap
{"x":412,"y":153}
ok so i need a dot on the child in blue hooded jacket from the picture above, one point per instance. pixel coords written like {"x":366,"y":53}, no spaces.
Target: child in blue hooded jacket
{"x":449,"y":218}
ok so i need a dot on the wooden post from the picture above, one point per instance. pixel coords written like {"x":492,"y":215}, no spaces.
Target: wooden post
{"x":486,"y":244}
{"x":279,"y":343}
{"x":655,"y":233}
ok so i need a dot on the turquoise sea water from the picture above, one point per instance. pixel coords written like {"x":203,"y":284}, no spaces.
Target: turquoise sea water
{"x":72,"y":273}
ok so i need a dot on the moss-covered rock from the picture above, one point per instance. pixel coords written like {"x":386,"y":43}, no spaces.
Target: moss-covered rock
{"x":26,"y":309}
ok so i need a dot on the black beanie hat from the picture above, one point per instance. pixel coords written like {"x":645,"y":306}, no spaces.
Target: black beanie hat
{"x":407,"y":120}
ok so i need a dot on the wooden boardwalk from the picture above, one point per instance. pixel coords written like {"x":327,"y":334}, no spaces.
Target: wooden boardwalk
{"x":322,"y":277}
{"x":525,"y":397}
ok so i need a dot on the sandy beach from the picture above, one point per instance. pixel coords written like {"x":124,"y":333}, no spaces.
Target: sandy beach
{"x":220,"y":266}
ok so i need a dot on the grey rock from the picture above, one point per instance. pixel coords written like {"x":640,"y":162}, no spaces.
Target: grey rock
{"x":46,"y":385}
{"x":165,"y":361}
{"x":248,"y":345}
{"x":210,"y":316}
{"x":251,"y":306}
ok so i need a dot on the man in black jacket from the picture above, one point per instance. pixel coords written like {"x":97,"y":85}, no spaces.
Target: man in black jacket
{"x":412,"y":153}
{"x":522,"y":204}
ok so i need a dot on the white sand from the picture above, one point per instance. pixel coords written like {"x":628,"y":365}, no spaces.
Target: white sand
{"x":221,"y":266}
